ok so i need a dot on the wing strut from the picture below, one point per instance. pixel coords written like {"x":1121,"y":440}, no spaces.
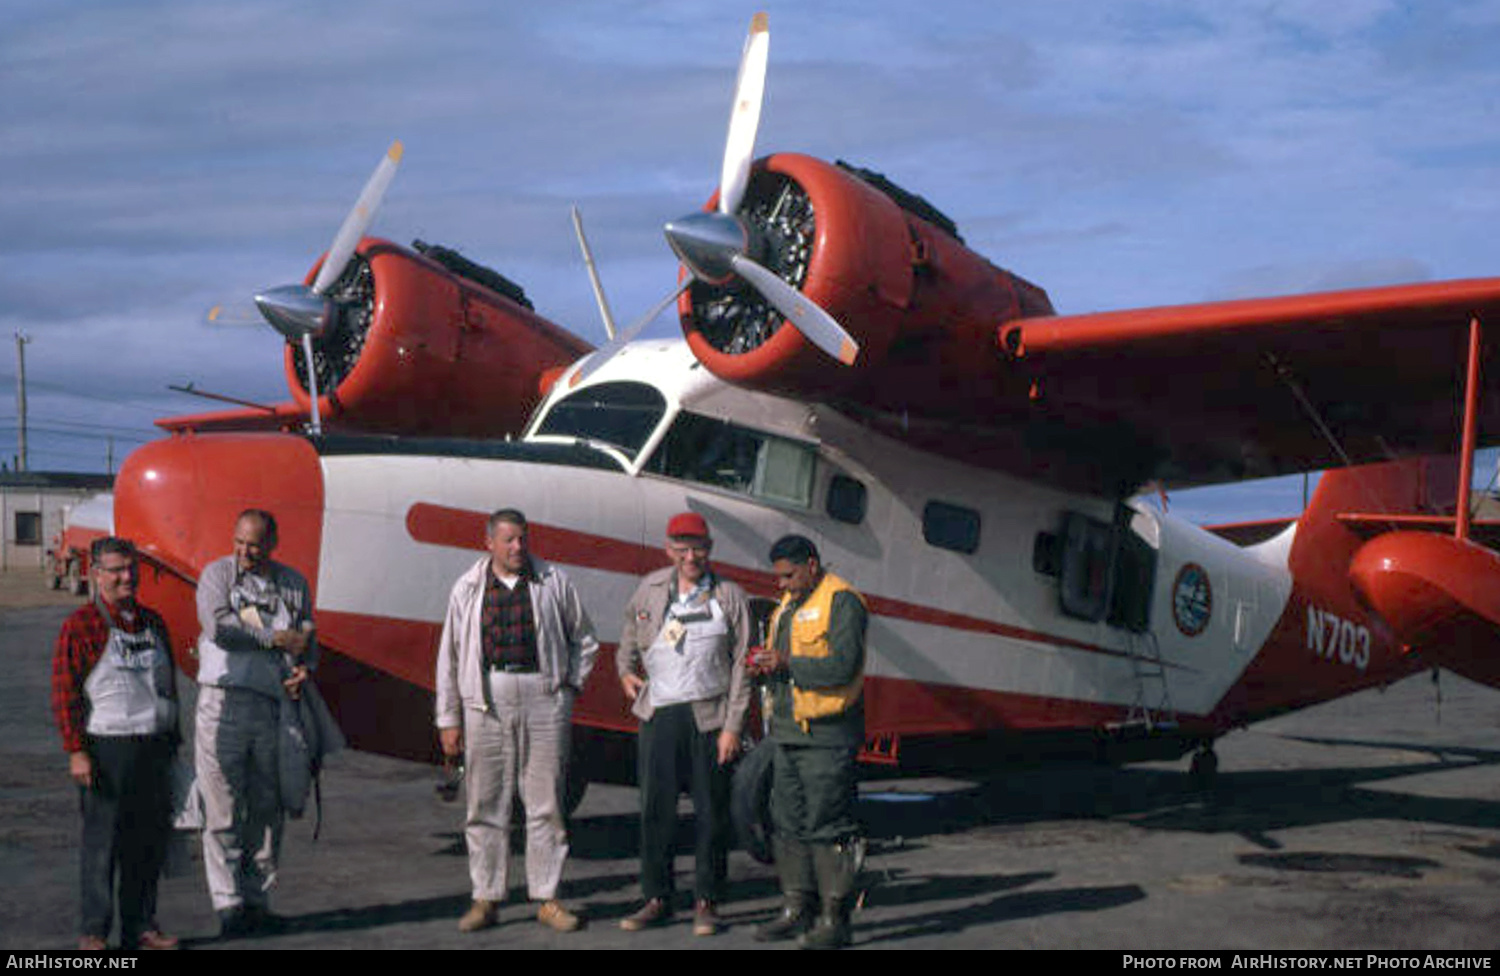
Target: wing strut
{"x":1284,"y":373}
{"x":1471,"y":424}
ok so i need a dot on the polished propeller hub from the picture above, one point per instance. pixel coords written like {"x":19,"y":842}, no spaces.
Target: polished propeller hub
{"x":296,"y":311}
{"x":708,"y":243}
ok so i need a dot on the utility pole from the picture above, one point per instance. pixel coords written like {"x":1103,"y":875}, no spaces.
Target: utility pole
{"x":21,"y":340}
{"x":109,"y":458}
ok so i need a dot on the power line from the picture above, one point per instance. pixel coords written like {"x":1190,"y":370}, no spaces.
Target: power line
{"x":80,"y":436}
{"x":110,"y":428}
{"x":134,"y":402}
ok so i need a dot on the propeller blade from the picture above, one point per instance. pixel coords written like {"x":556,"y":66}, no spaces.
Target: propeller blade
{"x":816,"y":325}
{"x":744,"y":117}
{"x":348,"y":237}
{"x":606,"y":352}
{"x":233,"y":314}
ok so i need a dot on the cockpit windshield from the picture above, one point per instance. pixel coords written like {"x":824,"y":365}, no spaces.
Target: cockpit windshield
{"x":715,"y":452}
{"x":621,"y":414}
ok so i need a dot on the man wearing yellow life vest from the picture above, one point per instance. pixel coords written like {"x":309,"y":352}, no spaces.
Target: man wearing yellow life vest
{"x":816,"y":663}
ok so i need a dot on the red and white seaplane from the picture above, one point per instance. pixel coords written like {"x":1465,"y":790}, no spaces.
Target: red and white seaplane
{"x":961,"y":453}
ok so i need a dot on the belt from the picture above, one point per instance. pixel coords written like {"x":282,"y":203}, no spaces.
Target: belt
{"x":511,"y":668}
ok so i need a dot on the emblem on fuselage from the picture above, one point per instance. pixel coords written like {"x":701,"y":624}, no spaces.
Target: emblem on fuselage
{"x":1192,"y":599}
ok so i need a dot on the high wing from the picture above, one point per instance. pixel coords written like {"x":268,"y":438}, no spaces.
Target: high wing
{"x":1246,"y":389}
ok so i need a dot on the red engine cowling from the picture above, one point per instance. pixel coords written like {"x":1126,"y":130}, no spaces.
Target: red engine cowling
{"x":925,"y":309}
{"x":421,"y":350}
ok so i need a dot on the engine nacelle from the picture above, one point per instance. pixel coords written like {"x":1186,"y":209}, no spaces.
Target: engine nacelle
{"x":419,"y":349}
{"x":925,"y":309}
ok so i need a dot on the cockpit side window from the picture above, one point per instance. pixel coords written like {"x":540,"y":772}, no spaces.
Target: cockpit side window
{"x":621,"y":414}
{"x":715,"y":452}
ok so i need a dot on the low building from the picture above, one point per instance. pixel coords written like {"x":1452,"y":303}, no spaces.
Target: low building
{"x":33,"y":505}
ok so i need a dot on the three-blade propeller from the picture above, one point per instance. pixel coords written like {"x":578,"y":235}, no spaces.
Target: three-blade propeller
{"x":715,"y":247}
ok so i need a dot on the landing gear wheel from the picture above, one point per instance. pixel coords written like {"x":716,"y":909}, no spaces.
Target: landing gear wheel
{"x":750,"y":802}
{"x":1203,"y":772}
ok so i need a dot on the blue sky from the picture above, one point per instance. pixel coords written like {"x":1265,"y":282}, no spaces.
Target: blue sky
{"x":160,"y":156}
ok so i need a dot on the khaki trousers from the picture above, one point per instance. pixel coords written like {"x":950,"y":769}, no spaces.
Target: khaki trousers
{"x":235,"y":752}
{"x":523,"y":744}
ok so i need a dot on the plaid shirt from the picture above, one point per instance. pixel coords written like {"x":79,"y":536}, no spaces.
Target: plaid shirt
{"x":507,"y":631}
{"x":80,"y":645}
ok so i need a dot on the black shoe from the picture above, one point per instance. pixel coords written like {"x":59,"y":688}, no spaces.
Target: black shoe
{"x":234,"y":923}
{"x":262,"y":922}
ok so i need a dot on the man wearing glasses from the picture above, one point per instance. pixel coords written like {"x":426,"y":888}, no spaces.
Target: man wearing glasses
{"x":114,"y":695}
{"x":682,"y":665}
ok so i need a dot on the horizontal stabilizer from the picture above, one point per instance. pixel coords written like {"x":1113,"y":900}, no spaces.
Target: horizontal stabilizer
{"x":1440,"y":595}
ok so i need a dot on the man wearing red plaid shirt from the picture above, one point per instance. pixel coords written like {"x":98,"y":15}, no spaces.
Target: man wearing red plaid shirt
{"x":115,"y":700}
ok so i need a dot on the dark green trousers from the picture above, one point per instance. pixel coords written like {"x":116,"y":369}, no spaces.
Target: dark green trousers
{"x":812,"y":796}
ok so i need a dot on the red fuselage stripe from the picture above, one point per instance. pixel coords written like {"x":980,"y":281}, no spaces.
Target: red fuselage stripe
{"x":458,"y":528}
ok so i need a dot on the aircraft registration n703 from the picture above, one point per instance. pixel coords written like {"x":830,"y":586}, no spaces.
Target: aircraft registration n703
{"x":961,"y":453}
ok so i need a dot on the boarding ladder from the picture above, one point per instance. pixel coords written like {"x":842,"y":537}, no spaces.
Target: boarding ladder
{"x":1152,"y":709}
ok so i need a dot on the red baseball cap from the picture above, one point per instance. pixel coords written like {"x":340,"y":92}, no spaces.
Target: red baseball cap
{"x":689,"y":524}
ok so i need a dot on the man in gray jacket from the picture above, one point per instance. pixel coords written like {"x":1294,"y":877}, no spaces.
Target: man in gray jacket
{"x":516,"y":649}
{"x":682,"y":663}
{"x":255,"y":649}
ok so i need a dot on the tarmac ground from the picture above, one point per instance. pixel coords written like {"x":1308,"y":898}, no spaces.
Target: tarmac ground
{"x":1372,"y":822}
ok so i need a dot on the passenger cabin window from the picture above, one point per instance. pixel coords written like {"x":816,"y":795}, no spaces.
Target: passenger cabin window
{"x":715,"y":452}
{"x":846,"y":499}
{"x":950,"y":527}
{"x":620,"y":414}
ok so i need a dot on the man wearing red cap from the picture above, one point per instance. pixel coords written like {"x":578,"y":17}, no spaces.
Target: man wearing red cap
{"x":682,"y":665}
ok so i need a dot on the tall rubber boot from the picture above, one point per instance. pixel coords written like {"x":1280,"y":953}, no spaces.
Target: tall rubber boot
{"x":837,"y":867}
{"x":794,"y":865}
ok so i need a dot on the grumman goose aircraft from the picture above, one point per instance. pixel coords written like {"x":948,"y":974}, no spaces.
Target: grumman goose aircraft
{"x":965,"y":456}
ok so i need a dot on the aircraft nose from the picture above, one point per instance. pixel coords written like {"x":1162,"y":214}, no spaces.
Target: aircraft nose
{"x":178,"y":498}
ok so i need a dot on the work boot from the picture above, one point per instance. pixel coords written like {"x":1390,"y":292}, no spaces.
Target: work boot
{"x":557,"y":918}
{"x":156,"y":940}
{"x":481,"y":915}
{"x":798,"y":891}
{"x":837,"y":867}
{"x":705,"y":918}
{"x":831,"y":930}
{"x":656,"y":911}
